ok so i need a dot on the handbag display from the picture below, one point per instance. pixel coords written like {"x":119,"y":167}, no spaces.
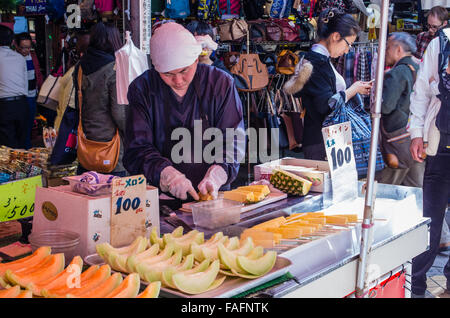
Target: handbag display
{"x":257,"y":30}
{"x":291,"y":31}
{"x":274,"y":32}
{"x":49,"y":93}
{"x":252,"y":70}
{"x":95,"y":155}
{"x":233,"y":30}
{"x":286,"y":62}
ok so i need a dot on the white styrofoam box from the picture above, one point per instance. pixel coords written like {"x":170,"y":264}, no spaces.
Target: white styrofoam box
{"x":86,"y":215}
{"x":320,"y":178}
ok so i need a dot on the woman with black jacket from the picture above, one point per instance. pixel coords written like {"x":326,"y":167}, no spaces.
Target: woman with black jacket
{"x":336,"y":33}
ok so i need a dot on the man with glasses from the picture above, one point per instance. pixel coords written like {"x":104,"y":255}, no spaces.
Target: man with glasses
{"x":436,"y":20}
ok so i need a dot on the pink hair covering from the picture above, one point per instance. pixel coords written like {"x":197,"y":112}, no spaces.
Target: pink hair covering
{"x":206,"y":42}
{"x":173,"y":47}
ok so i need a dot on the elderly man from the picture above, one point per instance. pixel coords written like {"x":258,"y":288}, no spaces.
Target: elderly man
{"x":181,"y":93}
{"x":400,"y":168}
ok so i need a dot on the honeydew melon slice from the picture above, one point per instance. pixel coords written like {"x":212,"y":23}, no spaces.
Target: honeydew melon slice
{"x":196,"y":283}
{"x":151,"y":291}
{"x":207,"y":249}
{"x":104,"y":288}
{"x":150,"y":252}
{"x":216,"y":283}
{"x":155,"y":239}
{"x":128,"y":288}
{"x":233,"y":243}
{"x":184,"y":242}
{"x":11,"y":292}
{"x":71,"y":272}
{"x":153,"y":272}
{"x":135,"y":247}
{"x":53,"y":267}
{"x":87,"y":274}
{"x":257,"y":266}
{"x":167,"y":274}
{"x":228,"y":259}
{"x":163,"y":255}
{"x":36,"y":257}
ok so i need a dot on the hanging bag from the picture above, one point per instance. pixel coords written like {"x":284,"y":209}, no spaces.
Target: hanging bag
{"x":286,"y":62}
{"x":65,"y":149}
{"x":49,"y":93}
{"x":95,"y":155}
{"x":233,"y":30}
{"x":252,"y":70}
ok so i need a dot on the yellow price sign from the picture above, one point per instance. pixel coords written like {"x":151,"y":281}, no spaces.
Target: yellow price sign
{"x":17,"y":198}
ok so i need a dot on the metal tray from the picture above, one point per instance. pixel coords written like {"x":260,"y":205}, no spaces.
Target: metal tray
{"x":230,"y":287}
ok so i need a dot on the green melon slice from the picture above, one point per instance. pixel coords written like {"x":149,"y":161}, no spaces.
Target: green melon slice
{"x":129,"y":288}
{"x":196,"y":283}
{"x":53,"y":267}
{"x":184,"y":242}
{"x":233,"y":243}
{"x":258,"y":266}
{"x":228,"y":258}
{"x":153,"y":272}
{"x":216,"y":283}
{"x":163,"y":255}
{"x":151,"y":291}
{"x":11,"y":292}
{"x":137,"y":246}
{"x":167,"y":274}
{"x":155,"y":239}
{"x":209,"y":248}
{"x":152,"y":251}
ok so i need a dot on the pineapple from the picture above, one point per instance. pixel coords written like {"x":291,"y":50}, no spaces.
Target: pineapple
{"x":289,"y":182}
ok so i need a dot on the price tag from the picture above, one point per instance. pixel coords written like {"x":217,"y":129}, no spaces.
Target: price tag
{"x":128,"y":209}
{"x":339,"y":148}
{"x":17,"y":198}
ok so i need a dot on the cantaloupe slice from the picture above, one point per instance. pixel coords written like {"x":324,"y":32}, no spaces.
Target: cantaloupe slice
{"x":104,"y":288}
{"x":129,"y":288}
{"x":26,"y":262}
{"x":87,"y":274}
{"x":153,"y":272}
{"x":318,"y":220}
{"x":103,"y":273}
{"x":271,"y":223}
{"x":264,"y":238}
{"x":60,"y":280}
{"x":196,"y":283}
{"x":166,"y":276}
{"x":298,"y":221}
{"x":25,"y":294}
{"x":11,"y":292}
{"x":288,"y":232}
{"x":332,"y":219}
{"x":52,"y":268}
{"x":3,"y":283}
{"x":258,"y":266}
{"x":151,"y":291}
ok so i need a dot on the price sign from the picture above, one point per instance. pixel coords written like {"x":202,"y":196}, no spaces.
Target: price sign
{"x":128,"y":209}
{"x":339,"y":148}
{"x":17,"y":198}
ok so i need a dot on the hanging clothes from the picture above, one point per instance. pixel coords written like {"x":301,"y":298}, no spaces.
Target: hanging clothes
{"x":348,"y":68}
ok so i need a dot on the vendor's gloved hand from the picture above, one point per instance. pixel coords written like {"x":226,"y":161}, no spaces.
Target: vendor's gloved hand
{"x":176,"y":183}
{"x":214,"y":178}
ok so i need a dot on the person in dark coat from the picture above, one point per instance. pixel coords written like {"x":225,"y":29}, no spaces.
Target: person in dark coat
{"x":173,"y":107}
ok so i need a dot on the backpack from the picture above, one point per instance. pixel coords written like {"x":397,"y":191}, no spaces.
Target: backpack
{"x":177,"y":9}
{"x":252,"y":70}
{"x":208,"y":10}
{"x":230,"y":7}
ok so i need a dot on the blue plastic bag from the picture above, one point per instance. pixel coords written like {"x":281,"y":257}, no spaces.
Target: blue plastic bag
{"x":177,"y":9}
{"x":353,"y":111}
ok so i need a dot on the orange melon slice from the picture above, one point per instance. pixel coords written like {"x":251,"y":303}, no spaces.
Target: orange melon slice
{"x":86,"y":275}
{"x":103,"y":273}
{"x":129,"y":288}
{"x":151,"y":291}
{"x":53,"y":267}
{"x":60,"y":280}
{"x":111,"y":283}
{"x":11,"y":292}
{"x":25,"y":294}
{"x":27,"y":261}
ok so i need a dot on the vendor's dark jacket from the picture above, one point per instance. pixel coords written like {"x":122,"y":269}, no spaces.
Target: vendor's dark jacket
{"x":315,"y":95}
{"x":101,"y":115}
{"x":155,"y":113}
{"x":397,"y":87}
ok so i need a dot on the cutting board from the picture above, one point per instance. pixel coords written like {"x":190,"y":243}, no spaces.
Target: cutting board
{"x":272,"y":197}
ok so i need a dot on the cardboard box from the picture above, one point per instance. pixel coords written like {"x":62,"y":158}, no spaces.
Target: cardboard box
{"x":320,"y":177}
{"x":86,"y":215}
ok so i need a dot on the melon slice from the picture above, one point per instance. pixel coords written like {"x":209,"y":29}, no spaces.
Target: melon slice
{"x":228,"y":259}
{"x":155,"y":239}
{"x":104,"y":288}
{"x":244,"y":196}
{"x":53,"y":267}
{"x":103,"y":273}
{"x":196,"y":283}
{"x":117,"y":257}
{"x":258,"y":266}
{"x":184,"y":242}
{"x":217,"y":282}
{"x":60,"y":280}
{"x":11,"y":292}
{"x":333,"y":219}
{"x":209,"y":248}
{"x":153,"y":272}
{"x":150,"y":252}
{"x":128,"y":288}
{"x":166,"y":253}
{"x":3,"y":283}
{"x":167,"y":274}
{"x":26,"y":262}
{"x":256,"y":188}
{"x":270,"y":224}
{"x":25,"y":294}
{"x":351,"y":218}
{"x":233,"y":243}
{"x":151,"y":291}
{"x":87,"y":274}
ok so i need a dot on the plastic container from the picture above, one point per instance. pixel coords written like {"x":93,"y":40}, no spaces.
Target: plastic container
{"x":216,"y":213}
{"x":60,"y":241}
{"x":86,"y":188}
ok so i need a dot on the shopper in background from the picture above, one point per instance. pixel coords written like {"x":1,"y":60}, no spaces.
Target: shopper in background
{"x":436,"y":19}
{"x":14,"y":109}
{"x":430,"y":121}
{"x":24,"y":45}
{"x":101,"y":116}
{"x":398,"y":82}
{"x":174,"y":94}
{"x":336,"y":33}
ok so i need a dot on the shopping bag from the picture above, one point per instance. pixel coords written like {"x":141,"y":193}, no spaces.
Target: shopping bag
{"x":49,"y":93}
{"x":65,"y":149}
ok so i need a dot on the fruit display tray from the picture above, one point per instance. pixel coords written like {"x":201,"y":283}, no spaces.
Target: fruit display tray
{"x":232,"y":286}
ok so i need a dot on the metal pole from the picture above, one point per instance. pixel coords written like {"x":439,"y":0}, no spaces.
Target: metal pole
{"x":367,"y":225}
{"x":249,"y":169}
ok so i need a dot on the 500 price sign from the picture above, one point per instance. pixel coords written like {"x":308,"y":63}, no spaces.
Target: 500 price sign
{"x":339,"y":149}
{"x":128,"y":209}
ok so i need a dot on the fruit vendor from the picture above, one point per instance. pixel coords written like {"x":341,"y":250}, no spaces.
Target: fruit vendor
{"x":178,"y":92}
